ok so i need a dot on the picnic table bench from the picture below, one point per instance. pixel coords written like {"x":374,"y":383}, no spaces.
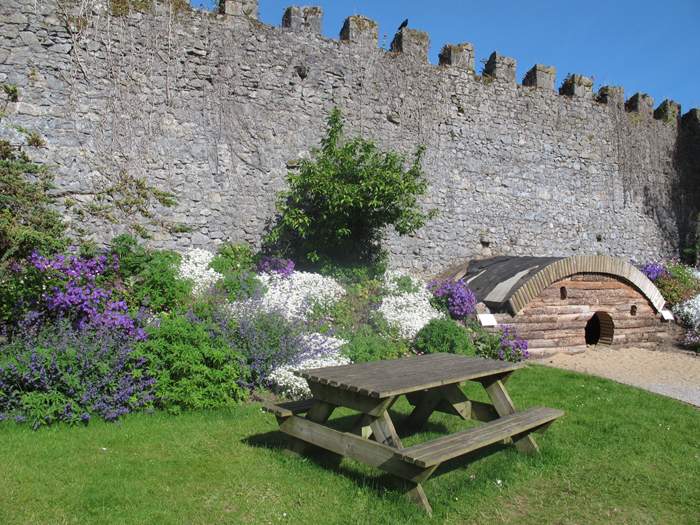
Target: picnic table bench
{"x":430,"y":383}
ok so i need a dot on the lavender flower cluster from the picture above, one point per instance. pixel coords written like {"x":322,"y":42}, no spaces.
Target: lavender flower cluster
{"x":654,"y":270}
{"x":65,"y":373}
{"x":276,"y":266}
{"x":456,"y":296}
{"x":75,"y":295}
{"x":513,"y":347}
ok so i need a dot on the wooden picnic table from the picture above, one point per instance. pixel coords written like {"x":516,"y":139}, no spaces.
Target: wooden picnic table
{"x":430,"y":383}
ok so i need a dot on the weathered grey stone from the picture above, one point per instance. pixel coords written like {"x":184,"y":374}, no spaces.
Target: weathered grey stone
{"x":412,"y":43}
{"x":360,"y":30}
{"x":460,"y":56}
{"x":248,"y":8}
{"x":540,"y":76}
{"x":612,"y":95}
{"x":307,"y":19}
{"x":217,"y":117}
{"x":640,"y":103}
{"x":577,"y":86}
{"x":499,"y":67}
{"x":669,"y":111}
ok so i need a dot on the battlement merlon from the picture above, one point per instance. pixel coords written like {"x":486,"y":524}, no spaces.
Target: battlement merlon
{"x":360,"y":30}
{"x":577,"y":86}
{"x":640,"y":103}
{"x":303,"y":19}
{"x":412,"y":43}
{"x":500,"y":68}
{"x":612,"y":96}
{"x":668,"y":111}
{"x":540,"y":76}
{"x":458,"y":55}
{"x":248,"y":8}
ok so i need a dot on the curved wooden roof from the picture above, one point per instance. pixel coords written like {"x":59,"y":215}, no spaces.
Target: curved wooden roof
{"x":510,"y":283}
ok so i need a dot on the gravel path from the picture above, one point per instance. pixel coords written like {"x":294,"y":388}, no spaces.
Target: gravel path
{"x":670,"y":373}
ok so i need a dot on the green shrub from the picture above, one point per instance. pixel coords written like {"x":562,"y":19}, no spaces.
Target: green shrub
{"x":352,"y":273}
{"x":679,"y":284}
{"x":354,"y":312}
{"x":340,"y":201}
{"x":444,"y":335}
{"x":486,"y":344}
{"x":236,"y":262}
{"x":150,"y":277}
{"x":192,"y":364}
{"x":28,"y":219}
{"x":234,"y":258}
{"x":368,"y":346}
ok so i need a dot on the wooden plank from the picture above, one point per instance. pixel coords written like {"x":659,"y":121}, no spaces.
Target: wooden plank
{"x":354,"y":400}
{"x":384,"y":431}
{"x":505,"y":407}
{"x":456,"y":401}
{"x":417,"y":495}
{"x":368,"y":452}
{"x":289,"y":408}
{"x":391,"y":378}
{"x":424,"y":407}
{"x":319,"y":412}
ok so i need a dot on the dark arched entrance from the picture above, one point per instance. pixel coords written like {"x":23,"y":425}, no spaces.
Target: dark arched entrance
{"x":600,"y":329}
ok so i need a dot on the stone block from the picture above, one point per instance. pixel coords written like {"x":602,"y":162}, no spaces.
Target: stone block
{"x":458,"y":55}
{"x":247,"y":8}
{"x":640,"y":103}
{"x":360,"y":30}
{"x":577,"y":86}
{"x":412,"y":42}
{"x":612,"y":95}
{"x":540,"y":76}
{"x":306,"y":19}
{"x":668,"y":111}
{"x":500,"y":68}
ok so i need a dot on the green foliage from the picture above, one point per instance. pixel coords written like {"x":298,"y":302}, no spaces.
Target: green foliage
{"x":679,"y":285}
{"x":339,"y":201}
{"x":35,"y":140}
{"x":354,"y":312}
{"x":444,"y":335}
{"x":486,"y":344}
{"x":236,"y":262}
{"x":366,"y":346}
{"x":11,"y":91}
{"x":352,"y":273}
{"x":405,"y":285}
{"x":234,"y":258}
{"x":28,"y":220}
{"x":193,"y":365}
{"x":150,"y":277}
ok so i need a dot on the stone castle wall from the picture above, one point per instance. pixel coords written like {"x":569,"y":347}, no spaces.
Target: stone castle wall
{"x":217,"y":108}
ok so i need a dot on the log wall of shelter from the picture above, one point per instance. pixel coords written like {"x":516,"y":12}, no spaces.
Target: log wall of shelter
{"x":552,"y":323}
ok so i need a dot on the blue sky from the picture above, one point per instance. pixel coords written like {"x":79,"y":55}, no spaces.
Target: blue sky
{"x":641,"y":45}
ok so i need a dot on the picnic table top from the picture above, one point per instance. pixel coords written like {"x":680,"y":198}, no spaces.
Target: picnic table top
{"x":382,"y":379}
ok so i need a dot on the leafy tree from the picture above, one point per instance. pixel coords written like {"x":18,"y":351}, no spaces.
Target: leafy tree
{"x":340,"y":200}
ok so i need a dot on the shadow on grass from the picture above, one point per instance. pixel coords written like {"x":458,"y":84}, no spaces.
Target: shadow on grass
{"x":382,"y":481}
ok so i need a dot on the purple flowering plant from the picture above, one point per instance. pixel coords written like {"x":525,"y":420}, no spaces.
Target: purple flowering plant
{"x":512,"y":347}
{"x":454,"y":297}
{"x":276,"y":266}
{"x":61,"y":372}
{"x":72,"y":289}
{"x":654,"y":270}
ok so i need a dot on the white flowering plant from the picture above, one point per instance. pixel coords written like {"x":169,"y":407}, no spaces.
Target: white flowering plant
{"x":410,"y":311}
{"x":195,"y":266}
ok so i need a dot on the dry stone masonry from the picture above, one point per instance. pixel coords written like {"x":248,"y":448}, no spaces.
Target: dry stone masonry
{"x":217,"y":107}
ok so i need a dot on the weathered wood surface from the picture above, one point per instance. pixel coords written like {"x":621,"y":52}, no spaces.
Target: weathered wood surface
{"x":289,"y":408}
{"x":382,"y":379}
{"x":505,"y":407}
{"x":449,"y":447}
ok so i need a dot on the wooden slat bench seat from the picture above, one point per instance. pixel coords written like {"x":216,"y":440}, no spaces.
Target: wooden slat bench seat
{"x":289,"y":408}
{"x":449,"y":447}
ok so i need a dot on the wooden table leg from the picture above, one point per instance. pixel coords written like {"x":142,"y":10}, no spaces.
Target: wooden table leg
{"x":384,"y":431}
{"x":504,"y":406}
{"x":320,"y":412}
{"x":429,"y":400}
{"x":362,"y":426}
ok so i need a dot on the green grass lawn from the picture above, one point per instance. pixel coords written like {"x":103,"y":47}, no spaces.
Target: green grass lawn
{"x":620,"y":455}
